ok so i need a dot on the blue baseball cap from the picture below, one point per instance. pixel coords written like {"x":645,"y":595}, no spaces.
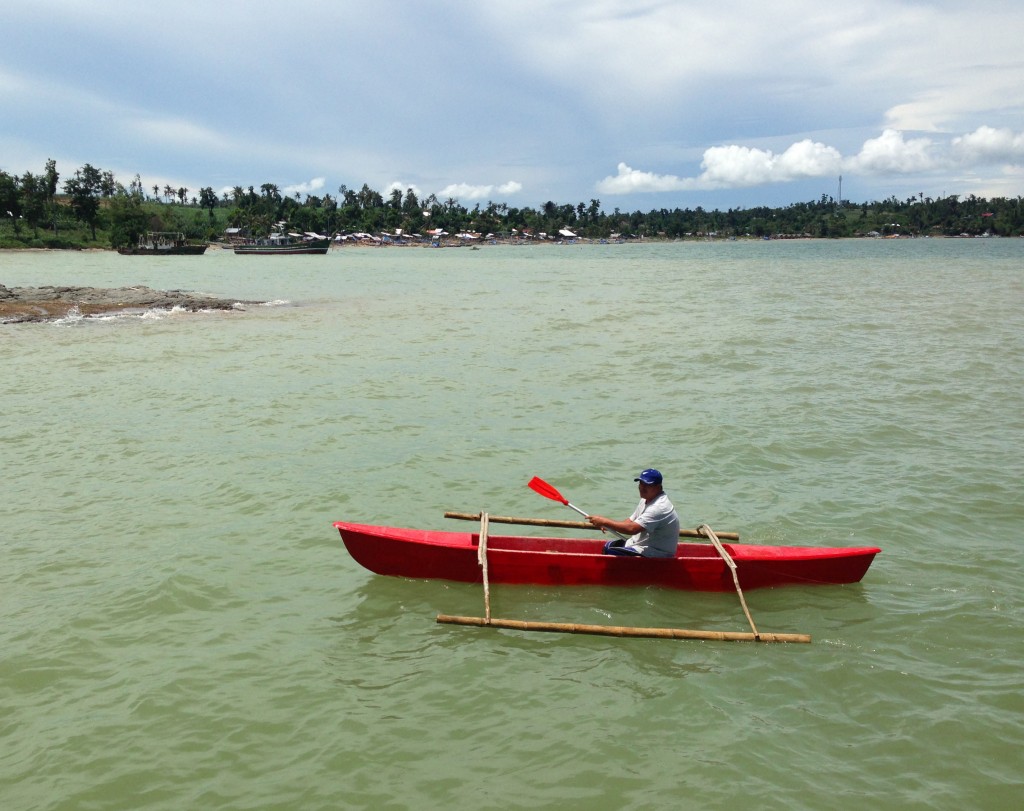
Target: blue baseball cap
{"x":649,"y":476}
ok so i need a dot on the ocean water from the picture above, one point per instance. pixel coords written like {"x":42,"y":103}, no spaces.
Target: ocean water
{"x":180,"y":626}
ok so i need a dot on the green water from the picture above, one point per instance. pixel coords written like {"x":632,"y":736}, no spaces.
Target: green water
{"x":181,"y":628}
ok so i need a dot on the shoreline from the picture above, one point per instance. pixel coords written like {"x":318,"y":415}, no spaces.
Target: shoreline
{"x":476,"y":244}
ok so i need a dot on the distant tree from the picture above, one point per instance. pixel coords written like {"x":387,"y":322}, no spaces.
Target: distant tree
{"x":369,"y":199}
{"x":156,"y":191}
{"x":128,"y":219}
{"x":411,"y":205}
{"x":347,"y":196}
{"x":51,"y":177}
{"x":329,"y":208}
{"x":168,"y":192}
{"x":182,"y":194}
{"x":10,"y":200}
{"x":393,"y":213}
{"x":85,"y":189}
{"x":208,"y":200}
{"x":33,"y":200}
{"x":108,"y":185}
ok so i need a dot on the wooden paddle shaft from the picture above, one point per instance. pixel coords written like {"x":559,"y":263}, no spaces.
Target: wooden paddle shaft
{"x":548,"y":522}
{"x":626,"y":631}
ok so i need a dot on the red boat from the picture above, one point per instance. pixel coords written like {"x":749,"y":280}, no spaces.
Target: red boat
{"x":421,"y":553}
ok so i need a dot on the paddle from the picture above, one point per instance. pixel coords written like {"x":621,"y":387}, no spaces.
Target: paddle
{"x":541,"y":487}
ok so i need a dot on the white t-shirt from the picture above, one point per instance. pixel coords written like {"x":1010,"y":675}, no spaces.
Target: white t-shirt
{"x":661,"y":528}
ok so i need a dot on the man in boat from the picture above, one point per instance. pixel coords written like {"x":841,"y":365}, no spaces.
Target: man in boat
{"x":653,"y":527}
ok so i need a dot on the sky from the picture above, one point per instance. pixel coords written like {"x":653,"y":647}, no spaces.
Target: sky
{"x":640,"y":104}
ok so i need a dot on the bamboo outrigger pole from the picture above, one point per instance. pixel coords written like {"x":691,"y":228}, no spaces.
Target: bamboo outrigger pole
{"x":550,"y":522}
{"x":624,"y":631}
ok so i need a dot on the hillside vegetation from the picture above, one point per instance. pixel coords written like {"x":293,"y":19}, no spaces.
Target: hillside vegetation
{"x":91,"y":209}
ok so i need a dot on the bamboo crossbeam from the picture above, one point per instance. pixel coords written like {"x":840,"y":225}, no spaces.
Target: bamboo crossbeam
{"x":622,"y":631}
{"x":549,"y":522}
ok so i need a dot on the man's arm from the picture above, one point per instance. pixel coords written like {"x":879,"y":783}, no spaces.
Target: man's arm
{"x":626,"y":527}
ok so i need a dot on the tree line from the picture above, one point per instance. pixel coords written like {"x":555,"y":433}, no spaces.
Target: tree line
{"x":97,"y":209}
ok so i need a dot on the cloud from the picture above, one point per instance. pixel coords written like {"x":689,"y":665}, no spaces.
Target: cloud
{"x":632,"y":181}
{"x":463,"y":191}
{"x":891,"y":153}
{"x":738,"y":166}
{"x":308,"y":187}
{"x":987,"y":145}
{"x":733,"y":166}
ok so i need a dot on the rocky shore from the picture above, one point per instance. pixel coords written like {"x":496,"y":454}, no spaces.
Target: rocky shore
{"x":20,"y":305}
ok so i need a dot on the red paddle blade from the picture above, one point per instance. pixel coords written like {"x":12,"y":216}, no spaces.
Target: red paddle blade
{"x":543,"y":488}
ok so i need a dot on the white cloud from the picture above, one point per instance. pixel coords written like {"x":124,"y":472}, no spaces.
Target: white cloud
{"x":808,"y":158}
{"x":891,"y":153}
{"x":632,"y":181}
{"x":465,"y":191}
{"x":307,"y":187}
{"x":988,"y":145}
{"x":731,"y":167}
{"x":739,"y":166}
{"x":734,"y":166}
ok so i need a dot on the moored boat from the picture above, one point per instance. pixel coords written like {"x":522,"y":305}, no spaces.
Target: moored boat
{"x":513,"y":559}
{"x":284,"y":245}
{"x":164,"y":243}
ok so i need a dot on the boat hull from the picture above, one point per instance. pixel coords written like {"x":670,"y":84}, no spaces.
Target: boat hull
{"x":431,"y":554}
{"x":317,"y":246}
{"x":177,"y":250}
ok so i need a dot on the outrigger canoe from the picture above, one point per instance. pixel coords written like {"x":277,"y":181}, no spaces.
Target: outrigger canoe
{"x":445,"y":555}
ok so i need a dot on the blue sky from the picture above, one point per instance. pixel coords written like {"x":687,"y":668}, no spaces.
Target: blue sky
{"x":642,"y":104}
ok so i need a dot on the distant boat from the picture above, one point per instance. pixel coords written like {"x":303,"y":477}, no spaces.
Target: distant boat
{"x":164,"y":243}
{"x":284,"y":245}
